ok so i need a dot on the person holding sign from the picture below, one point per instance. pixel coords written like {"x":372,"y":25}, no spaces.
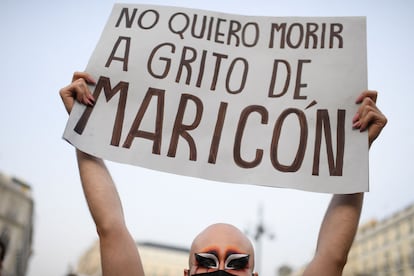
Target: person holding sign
{"x":221,"y":249}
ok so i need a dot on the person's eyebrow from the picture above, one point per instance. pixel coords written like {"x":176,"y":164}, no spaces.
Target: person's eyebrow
{"x":232,"y":252}
{"x":234,"y":256}
{"x":229,"y":251}
{"x":211,"y":250}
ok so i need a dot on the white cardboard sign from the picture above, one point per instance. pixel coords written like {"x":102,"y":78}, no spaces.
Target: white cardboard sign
{"x":232,"y":98}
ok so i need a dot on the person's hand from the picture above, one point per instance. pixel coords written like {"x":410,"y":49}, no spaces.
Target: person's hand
{"x":78,"y":90}
{"x":369,"y":116}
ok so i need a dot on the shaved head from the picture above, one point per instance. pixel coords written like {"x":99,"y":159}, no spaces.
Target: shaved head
{"x":222,"y":239}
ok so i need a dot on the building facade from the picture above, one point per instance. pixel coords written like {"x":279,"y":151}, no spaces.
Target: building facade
{"x":16,"y":224}
{"x":157,"y":259}
{"x":384,"y":248}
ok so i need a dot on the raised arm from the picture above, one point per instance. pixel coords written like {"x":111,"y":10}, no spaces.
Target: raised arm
{"x":119,"y":253}
{"x":341,"y":219}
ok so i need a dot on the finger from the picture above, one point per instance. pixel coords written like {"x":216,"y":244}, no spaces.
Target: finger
{"x":368,"y":97}
{"x":367,"y":94}
{"x":367,"y":105}
{"x":355,"y":119}
{"x":67,"y":98}
{"x":83,"y":75}
{"x":82,"y":91}
{"x":87,"y":100}
{"x":374,"y":121}
{"x":77,"y":90}
{"x":370,"y":117}
{"x":375,"y":127}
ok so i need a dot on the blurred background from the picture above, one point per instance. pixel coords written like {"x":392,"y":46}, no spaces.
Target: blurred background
{"x":44,"y":42}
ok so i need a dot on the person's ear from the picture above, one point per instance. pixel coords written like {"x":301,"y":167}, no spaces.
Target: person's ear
{"x":186,"y":272}
{"x":255,"y":274}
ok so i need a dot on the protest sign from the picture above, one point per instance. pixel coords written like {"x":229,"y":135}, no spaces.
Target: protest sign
{"x":241,"y":99}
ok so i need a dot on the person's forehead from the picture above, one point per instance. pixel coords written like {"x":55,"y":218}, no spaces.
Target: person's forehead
{"x":222,"y":243}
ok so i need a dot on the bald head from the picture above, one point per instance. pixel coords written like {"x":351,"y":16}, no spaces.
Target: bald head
{"x":222,"y":239}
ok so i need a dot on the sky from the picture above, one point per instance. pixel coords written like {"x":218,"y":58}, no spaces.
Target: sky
{"x":44,"y":42}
